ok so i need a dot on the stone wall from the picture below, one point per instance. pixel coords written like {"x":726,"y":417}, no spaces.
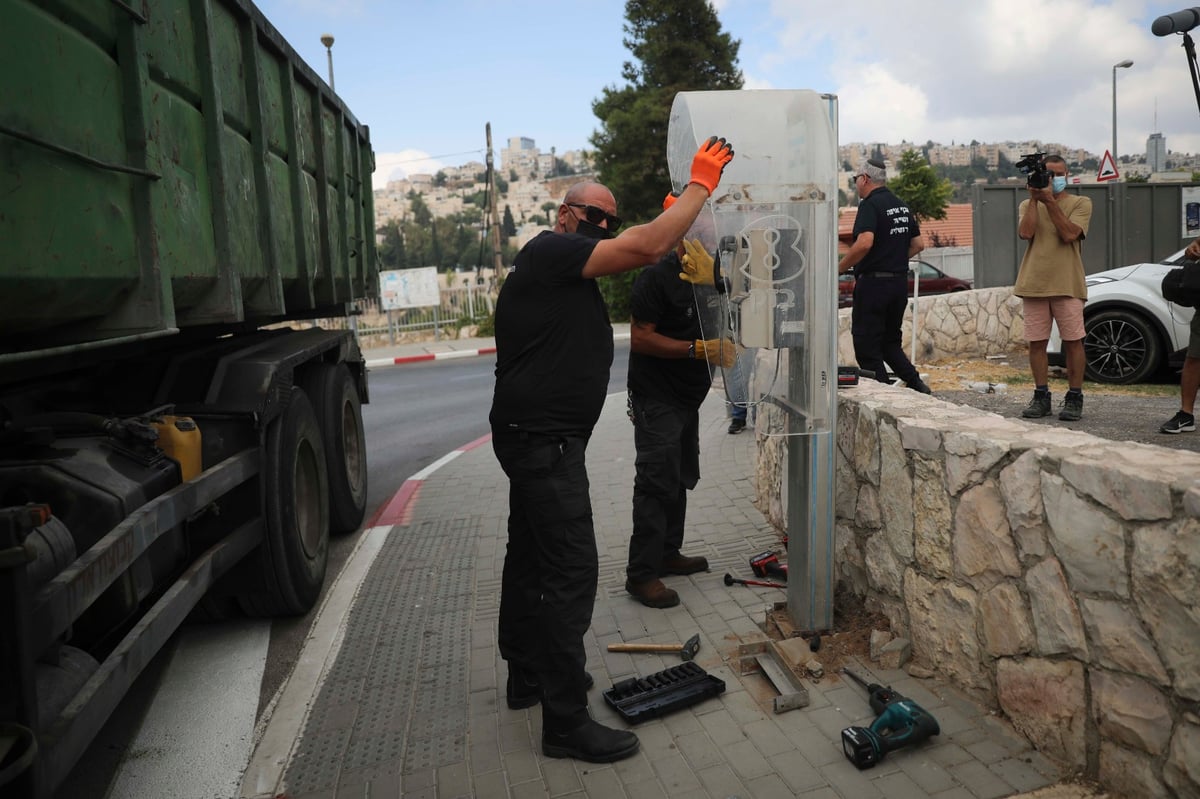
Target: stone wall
{"x":1051,"y":574}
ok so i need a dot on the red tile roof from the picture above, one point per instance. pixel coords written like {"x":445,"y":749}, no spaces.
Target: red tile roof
{"x":956,"y":230}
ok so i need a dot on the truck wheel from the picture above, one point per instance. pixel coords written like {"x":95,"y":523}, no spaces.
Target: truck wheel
{"x":295,"y":544}
{"x":339,"y":411}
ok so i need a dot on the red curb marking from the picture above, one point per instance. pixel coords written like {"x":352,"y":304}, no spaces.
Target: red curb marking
{"x":398,"y":510}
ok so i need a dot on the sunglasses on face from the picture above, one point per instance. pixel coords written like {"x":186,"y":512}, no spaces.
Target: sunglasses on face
{"x":597,"y":215}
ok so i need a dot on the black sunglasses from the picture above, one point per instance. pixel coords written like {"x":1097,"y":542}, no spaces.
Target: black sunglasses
{"x":597,"y":215}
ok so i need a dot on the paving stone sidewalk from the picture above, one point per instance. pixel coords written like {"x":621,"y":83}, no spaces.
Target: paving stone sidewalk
{"x":412,"y":705}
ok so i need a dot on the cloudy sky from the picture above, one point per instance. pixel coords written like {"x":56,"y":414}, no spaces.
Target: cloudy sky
{"x":427,"y":75}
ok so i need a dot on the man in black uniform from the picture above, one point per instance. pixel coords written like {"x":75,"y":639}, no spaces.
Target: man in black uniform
{"x":553,"y":353}
{"x":886,"y":236}
{"x":669,"y":376}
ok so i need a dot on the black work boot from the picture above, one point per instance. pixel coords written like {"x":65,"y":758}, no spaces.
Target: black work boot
{"x":1039,"y":406}
{"x":591,"y":741}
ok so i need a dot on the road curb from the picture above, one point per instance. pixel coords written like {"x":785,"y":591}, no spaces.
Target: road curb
{"x":430,"y":356}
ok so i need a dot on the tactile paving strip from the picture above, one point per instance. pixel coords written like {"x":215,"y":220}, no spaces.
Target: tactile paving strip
{"x":392,"y":702}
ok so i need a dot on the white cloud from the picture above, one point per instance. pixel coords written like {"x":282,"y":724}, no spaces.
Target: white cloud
{"x":397,"y":166}
{"x":991,"y":70}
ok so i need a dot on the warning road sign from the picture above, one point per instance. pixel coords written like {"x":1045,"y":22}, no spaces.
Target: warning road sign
{"x":1108,"y":169}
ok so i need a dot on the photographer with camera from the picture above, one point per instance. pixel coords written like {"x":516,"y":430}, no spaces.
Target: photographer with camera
{"x":1189,"y":380}
{"x":1051,"y":279}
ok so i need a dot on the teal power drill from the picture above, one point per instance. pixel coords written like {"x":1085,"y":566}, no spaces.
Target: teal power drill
{"x":899,"y":722}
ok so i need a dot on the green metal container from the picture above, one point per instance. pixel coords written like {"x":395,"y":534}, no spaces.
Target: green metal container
{"x":167,"y":164}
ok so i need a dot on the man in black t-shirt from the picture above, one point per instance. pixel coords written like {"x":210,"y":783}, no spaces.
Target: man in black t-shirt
{"x":669,"y":377}
{"x":886,"y":236}
{"x":553,"y":354}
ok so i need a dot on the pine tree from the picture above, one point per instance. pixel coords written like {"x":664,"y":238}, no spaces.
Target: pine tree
{"x":678,"y":46}
{"x":920,"y":188}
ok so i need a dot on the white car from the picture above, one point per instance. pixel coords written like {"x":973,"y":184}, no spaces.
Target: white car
{"x":1132,"y":333}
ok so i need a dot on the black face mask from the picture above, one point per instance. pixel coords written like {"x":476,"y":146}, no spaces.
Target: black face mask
{"x":586,"y":228}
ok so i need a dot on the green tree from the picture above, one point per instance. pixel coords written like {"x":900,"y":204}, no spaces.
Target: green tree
{"x":920,"y":187}
{"x":508,"y":227}
{"x":421,"y":214}
{"x":391,"y":249}
{"x":677,"y":45}
{"x":1137,"y":179}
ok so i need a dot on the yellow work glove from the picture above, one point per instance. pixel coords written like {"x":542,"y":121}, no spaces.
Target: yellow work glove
{"x":697,"y":264}
{"x":709,"y":162}
{"x":717,"y":351}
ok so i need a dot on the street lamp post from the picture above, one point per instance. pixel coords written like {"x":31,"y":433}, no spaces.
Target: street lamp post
{"x":327,"y":40}
{"x":1126,"y":64}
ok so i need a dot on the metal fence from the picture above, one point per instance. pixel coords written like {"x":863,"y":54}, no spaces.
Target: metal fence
{"x":458,"y":306}
{"x":1131,"y":222}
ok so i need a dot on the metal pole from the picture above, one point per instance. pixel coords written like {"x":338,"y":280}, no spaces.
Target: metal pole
{"x":327,"y":40}
{"x":1120,"y":65}
{"x":916,"y":296}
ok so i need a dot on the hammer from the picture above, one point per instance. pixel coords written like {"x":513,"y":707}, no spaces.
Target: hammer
{"x":687,"y":650}
{"x":731,"y":580}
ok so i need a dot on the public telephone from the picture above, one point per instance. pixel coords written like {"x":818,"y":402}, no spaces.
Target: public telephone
{"x":767,"y":287}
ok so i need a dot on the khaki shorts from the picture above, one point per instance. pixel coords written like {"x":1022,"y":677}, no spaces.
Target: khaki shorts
{"x":1040,"y":311}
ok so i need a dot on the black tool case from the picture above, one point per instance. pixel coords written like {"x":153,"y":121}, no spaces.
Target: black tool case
{"x":639,"y":699}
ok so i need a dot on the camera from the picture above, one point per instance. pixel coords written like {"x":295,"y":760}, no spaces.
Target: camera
{"x":1034,"y":165}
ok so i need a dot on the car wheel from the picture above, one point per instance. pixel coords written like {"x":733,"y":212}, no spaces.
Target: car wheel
{"x":1120,"y":346}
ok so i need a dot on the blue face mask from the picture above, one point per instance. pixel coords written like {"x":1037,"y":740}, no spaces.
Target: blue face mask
{"x":1058,"y":183}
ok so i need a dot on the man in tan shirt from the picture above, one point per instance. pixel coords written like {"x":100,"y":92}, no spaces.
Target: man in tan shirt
{"x":1051,"y":282}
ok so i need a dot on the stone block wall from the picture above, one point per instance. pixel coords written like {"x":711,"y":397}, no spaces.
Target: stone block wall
{"x":1053,"y":575}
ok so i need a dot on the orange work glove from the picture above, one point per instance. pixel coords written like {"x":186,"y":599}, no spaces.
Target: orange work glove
{"x":697,"y":264}
{"x":717,"y":351}
{"x":709,"y":162}
{"x":670,"y":199}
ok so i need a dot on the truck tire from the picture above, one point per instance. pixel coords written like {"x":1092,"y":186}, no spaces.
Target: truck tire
{"x":295,"y":484}
{"x":335,"y":399}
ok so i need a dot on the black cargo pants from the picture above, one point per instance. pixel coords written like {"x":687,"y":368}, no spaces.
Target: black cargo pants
{"x":667,"y":440}
{"x":548,"y":586}
{"x":875,"y":321}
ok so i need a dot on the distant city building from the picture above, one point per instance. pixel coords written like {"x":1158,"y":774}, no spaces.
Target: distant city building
{"x":1156,"y":152}
{"x":520,"y":155}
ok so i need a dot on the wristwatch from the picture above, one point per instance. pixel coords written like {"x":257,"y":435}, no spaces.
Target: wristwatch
{"x":692,"y":350}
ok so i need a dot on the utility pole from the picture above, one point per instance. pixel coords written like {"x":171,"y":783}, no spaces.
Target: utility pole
{"x":491,"y":170}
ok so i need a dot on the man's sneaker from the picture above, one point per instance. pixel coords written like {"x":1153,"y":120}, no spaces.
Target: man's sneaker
{"x":652,"y":593}
{"x":919,"y":386}
{"x":592,"y":742}
{"x":1038,"y":407}
{"x":1072,"y":408}
{"x":682,"y":564}
{"x":1179,"y":423}
{"x":736,"y":426}
{"x":524,"y":689}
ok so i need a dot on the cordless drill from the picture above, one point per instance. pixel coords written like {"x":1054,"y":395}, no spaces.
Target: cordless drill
{"x":899,"y":722}
{"x":766,"y":564}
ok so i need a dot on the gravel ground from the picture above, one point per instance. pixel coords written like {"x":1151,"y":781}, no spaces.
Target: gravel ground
{"x":1118,"y":413}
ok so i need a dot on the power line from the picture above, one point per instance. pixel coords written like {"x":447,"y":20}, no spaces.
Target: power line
{"x":432,"y":157}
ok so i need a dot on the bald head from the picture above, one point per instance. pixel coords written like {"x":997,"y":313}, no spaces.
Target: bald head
{"x":573,"y":206}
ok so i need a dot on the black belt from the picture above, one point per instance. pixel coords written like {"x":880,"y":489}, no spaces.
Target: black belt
{"x":881,"y":274}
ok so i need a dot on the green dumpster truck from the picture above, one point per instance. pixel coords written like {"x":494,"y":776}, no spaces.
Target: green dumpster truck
{"x":182,"y":201}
